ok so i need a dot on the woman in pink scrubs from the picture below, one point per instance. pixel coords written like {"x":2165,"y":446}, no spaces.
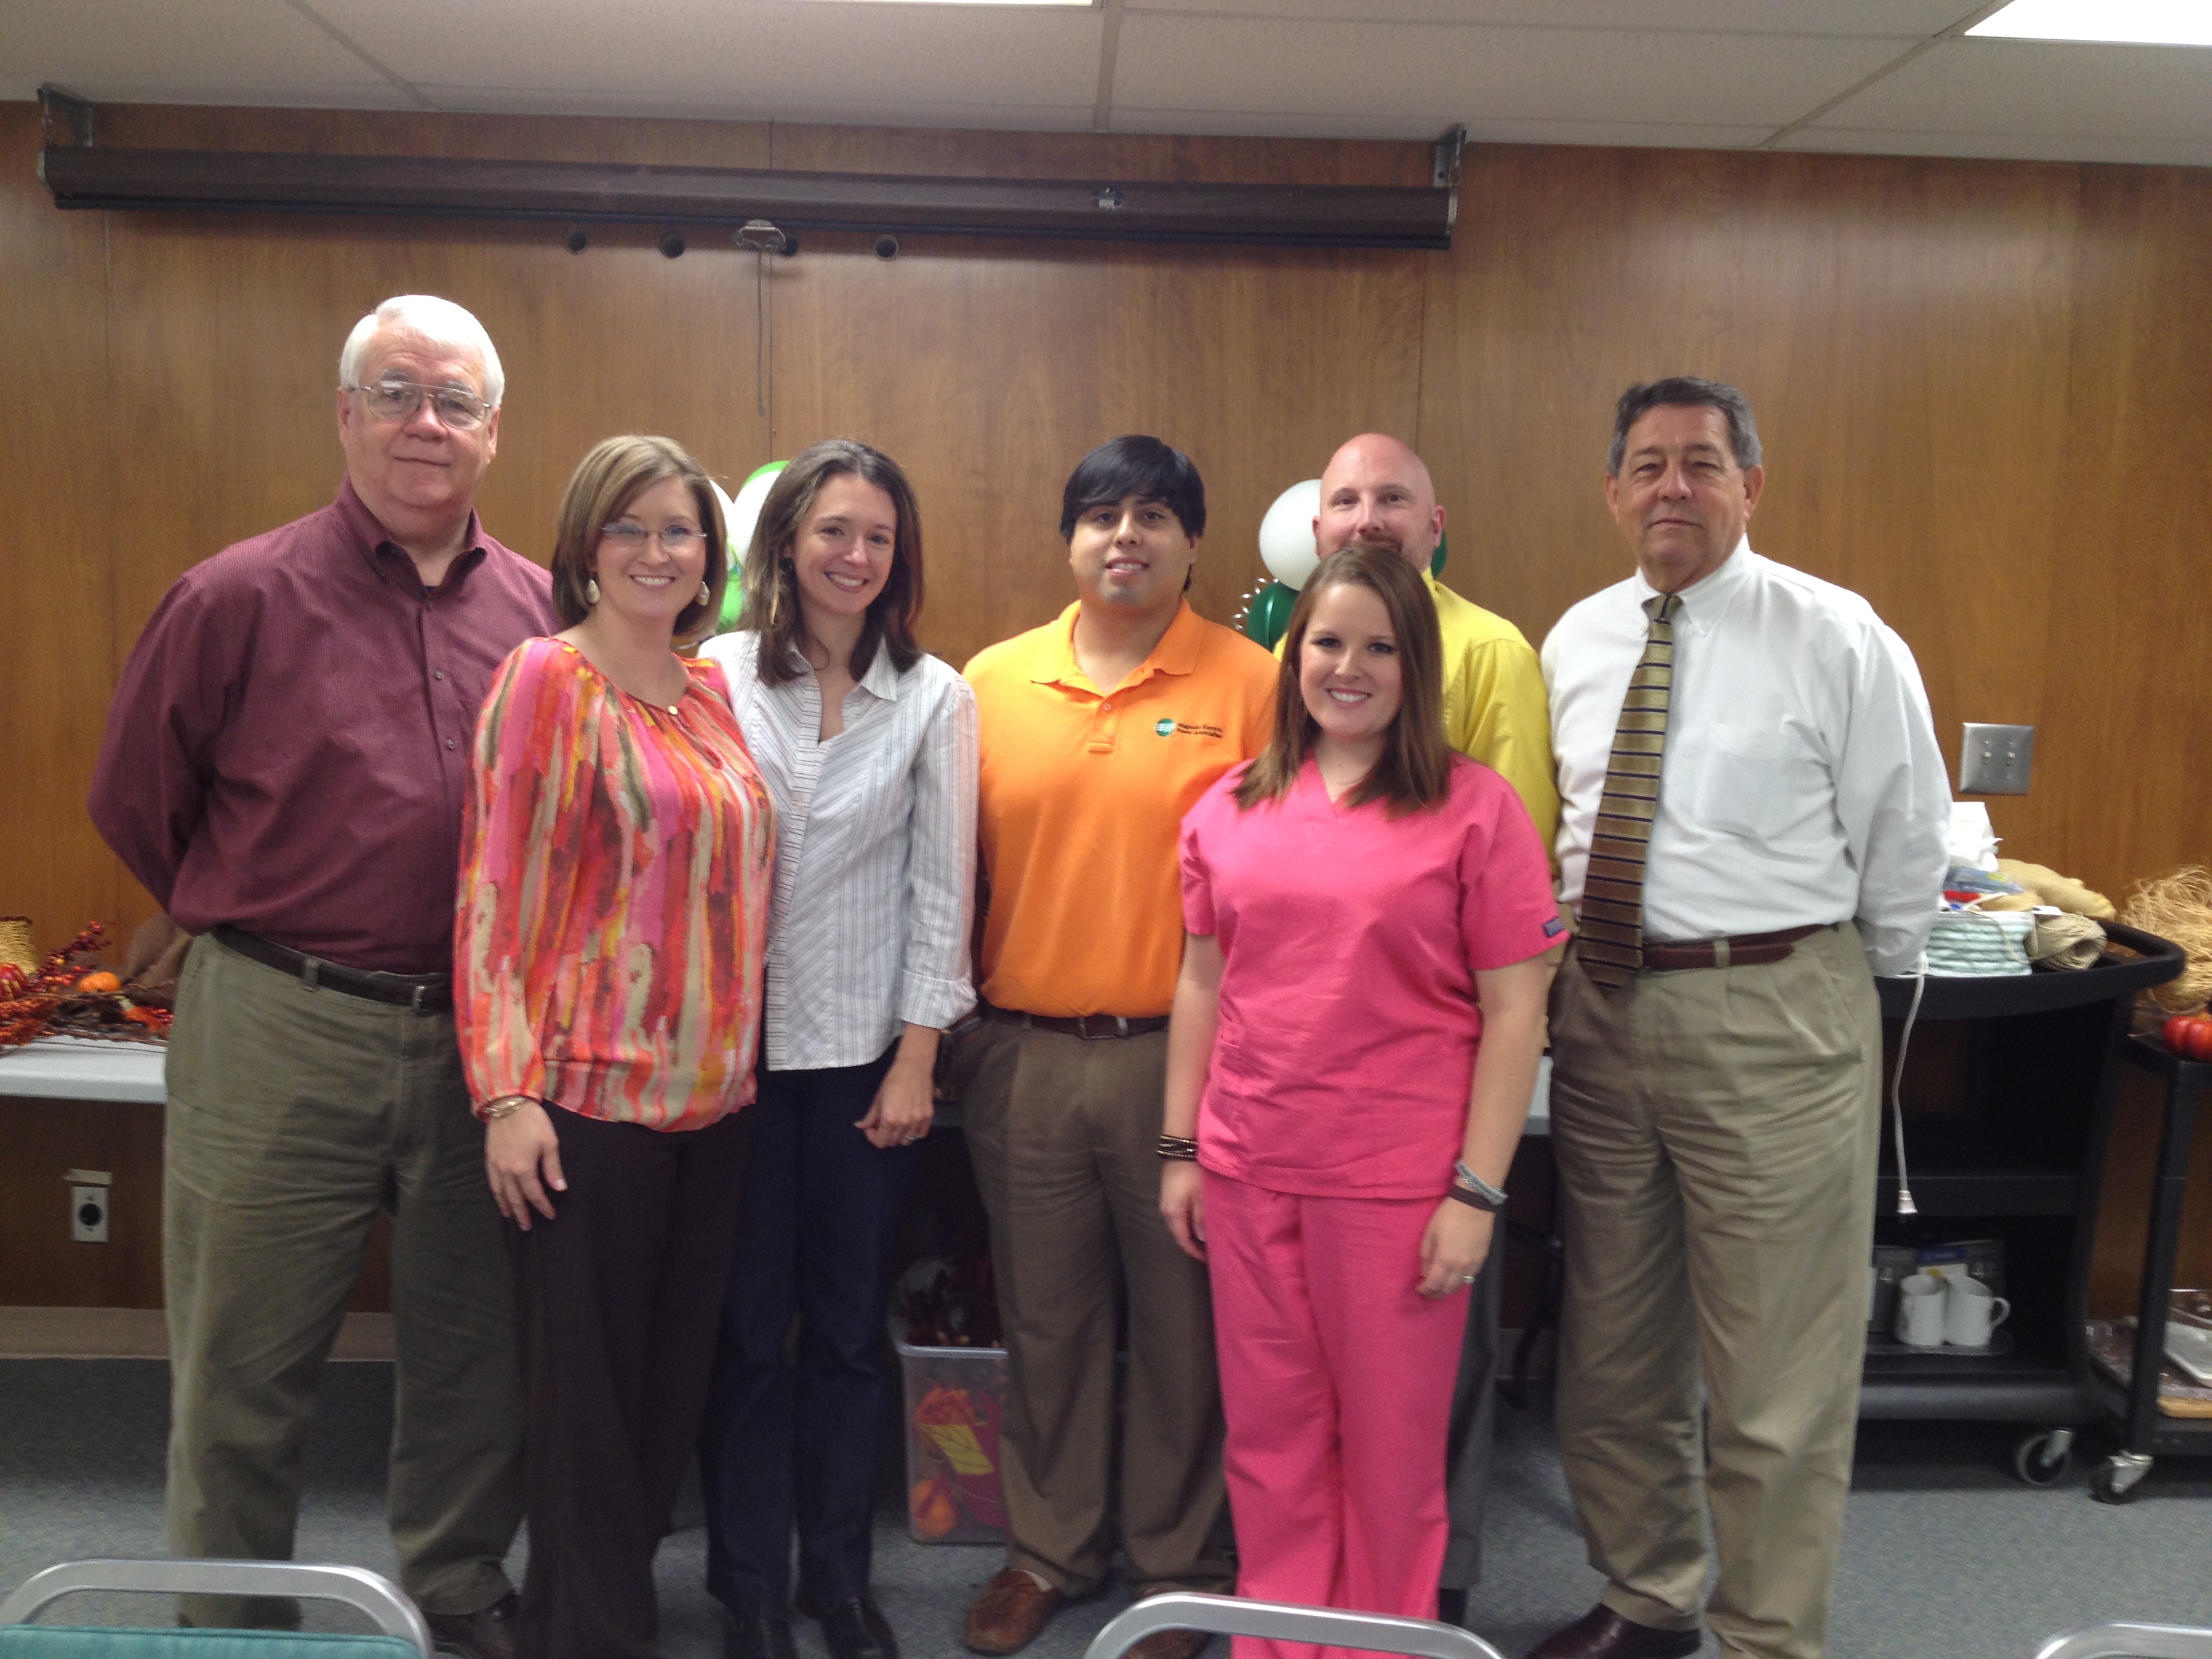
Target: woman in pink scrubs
{"x":1355,"y":1037}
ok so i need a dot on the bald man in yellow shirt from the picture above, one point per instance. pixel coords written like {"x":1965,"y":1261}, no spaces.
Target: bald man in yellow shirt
{"x":1377,"y":489}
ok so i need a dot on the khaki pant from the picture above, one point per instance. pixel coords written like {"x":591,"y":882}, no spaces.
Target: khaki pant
{"x":1064,"y":1134}
{"x":294,"y":1116}
{"x":1716,"y":1133}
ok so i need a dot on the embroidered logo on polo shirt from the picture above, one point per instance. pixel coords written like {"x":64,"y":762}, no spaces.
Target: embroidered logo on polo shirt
{"x":1185,"y":728}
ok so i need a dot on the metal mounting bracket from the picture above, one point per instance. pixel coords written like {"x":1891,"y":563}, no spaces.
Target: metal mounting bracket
{"x":75,"y":112}
{"x":1444,"y":173}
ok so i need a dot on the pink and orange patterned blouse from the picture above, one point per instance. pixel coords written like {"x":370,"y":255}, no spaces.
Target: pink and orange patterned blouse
{"x":616,"y":865}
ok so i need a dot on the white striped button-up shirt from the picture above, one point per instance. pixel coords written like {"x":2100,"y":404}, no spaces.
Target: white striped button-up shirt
{"x":875,"y":865}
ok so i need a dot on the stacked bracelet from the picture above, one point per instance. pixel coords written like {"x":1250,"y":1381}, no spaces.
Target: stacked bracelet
{"x":1179,"y":1146}
{"x":505,"y":1106}
{"x":1469,"y":1188}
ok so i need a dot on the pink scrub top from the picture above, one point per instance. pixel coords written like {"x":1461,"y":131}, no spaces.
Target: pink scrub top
{"x":1351,"y":941}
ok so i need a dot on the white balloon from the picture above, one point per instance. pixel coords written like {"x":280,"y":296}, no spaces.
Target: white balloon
{"x":1286,"y":537}
{"x":743,"y":514}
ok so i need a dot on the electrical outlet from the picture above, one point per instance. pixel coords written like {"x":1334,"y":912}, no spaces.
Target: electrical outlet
{"x":89,"y":1215}
{"x":1994,"y":760}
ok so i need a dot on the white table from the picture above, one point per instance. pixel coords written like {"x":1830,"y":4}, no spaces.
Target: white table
{"x":85,"y":1069}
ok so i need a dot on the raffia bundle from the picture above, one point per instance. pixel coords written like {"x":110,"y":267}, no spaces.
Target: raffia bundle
{"x":16,"y":945}
{"x":2178,"y":905}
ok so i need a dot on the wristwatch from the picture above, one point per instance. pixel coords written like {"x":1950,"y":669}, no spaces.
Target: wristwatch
{"x":1469,"y":1188}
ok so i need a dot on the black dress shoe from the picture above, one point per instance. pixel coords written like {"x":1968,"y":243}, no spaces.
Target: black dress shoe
{"x":854,"y":1629}
{"x":487,"y":1633}
{"x":1601,"y":1633}
{"x":760,"y":1637}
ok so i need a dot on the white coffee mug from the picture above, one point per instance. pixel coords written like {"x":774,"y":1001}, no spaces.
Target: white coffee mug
{"x":1920,"y":1311}
{"x":1971,"y":1311}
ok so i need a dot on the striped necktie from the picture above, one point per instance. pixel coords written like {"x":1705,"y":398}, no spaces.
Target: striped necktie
{"x":1610,"y":947}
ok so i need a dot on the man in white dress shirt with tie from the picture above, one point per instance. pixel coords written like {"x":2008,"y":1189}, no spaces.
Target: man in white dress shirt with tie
{"x":1753,"y":815}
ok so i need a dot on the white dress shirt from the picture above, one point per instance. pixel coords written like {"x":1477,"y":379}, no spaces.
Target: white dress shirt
{"x":1802,"y":782}
{"x":875,"y":859}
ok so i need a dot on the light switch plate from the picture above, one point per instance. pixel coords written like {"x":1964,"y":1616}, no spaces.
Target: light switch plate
{"x":1994,"y":760}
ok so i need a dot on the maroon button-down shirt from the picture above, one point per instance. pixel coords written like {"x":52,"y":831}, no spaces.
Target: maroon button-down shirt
{"x":288,"y":749}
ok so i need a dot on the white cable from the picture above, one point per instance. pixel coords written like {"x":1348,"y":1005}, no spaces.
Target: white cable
{"x":1905,"y":1204}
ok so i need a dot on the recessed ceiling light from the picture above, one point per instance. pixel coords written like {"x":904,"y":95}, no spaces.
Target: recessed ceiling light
{"x":2127,"y":22}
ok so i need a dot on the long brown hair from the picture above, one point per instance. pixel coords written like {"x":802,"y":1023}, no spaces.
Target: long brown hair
{"x":1415,"y":770}
{"x":772,"y":585}
{"x":609,"y":478}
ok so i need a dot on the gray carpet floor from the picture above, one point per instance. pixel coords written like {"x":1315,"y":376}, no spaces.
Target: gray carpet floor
{"x":1946,"y":1556}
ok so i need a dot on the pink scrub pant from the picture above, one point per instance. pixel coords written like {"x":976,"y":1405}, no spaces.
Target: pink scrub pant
{"x":1337,"y":1378}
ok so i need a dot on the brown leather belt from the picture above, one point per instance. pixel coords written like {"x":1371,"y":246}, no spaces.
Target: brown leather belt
{"x":1091,"y":1028}
{"x":426,"y":993}
{"x":1743,"y":950}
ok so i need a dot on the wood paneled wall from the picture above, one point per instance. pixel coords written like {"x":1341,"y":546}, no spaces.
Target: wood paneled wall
{"x":1985,"y":389}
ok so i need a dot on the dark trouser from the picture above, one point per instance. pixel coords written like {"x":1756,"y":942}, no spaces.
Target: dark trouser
{"x":1065,"y":1136}
{"x":616,"y":1302}
{"x":816,"y":1230}
{"x":294,"y":1115}
{"x":1473,"y":1421}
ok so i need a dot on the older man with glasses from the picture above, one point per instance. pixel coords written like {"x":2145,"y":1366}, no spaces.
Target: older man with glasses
{"x":285,"y":769}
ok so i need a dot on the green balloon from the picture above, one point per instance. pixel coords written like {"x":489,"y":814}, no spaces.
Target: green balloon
{"x":1270,"y":613}
{"x":733,"y":599}
{"x":1437,"y":559}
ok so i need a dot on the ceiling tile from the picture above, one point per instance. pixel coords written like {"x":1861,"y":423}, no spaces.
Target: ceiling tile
{"x":1432,"y":75}
{"x":2045,"y":89}
{"x":210,"y":52}
{"x":1907,"y":17}
{"x":843,"y":63}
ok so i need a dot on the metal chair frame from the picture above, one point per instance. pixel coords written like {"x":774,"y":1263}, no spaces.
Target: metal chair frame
{"x":1232,"y":1615}
{"x":368,"y":1592}
{"x":2126,"y":1641}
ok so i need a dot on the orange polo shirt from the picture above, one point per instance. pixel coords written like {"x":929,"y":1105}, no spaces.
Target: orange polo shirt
{"x":1083,"y":793}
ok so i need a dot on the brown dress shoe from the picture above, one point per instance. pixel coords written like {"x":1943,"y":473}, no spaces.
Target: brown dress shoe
{"x":1171,"y":1645}
{"x":1601,"y":1633}
{"x":1010,"y":1612}
{"x":487,"y":1633}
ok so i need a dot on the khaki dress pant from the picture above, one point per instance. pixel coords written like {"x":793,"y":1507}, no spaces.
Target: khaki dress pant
{"x":1064,"y":1134}
{"x":1716,"y":1131}
{"x":294,"y":1116}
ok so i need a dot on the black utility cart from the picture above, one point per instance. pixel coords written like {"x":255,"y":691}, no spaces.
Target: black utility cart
{"x":2009,"y":1090}
{"x":2146,"y":1429}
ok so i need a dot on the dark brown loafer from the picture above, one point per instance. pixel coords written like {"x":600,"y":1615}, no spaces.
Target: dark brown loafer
{"x":1171,"y":1645}
{"x":1601,"y":1633}
{"x":1011,"y":1611}
{"x":487,"y":1633}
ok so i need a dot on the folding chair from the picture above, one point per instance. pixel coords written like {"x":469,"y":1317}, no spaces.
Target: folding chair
{"x":405,"y":1635}
{"x":1230,"y":1615}
{"x":2130,"y":1642}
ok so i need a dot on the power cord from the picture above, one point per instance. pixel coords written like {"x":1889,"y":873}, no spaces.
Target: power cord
{"x":1905,"y":1204}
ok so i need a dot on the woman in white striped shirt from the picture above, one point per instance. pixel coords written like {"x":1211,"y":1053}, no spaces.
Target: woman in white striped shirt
{"x":869,"y":748}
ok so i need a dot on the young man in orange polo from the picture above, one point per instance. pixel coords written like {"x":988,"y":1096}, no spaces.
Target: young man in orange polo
{"x":1099,"y":730}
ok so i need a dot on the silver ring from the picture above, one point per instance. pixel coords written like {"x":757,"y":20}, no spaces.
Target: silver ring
{"x":1467,"y":1278}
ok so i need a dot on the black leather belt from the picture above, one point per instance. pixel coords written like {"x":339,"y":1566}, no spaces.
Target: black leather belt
{"x":1091,"y":1028}
{"x":1742,"y":951}
{"x":426,"y":993}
